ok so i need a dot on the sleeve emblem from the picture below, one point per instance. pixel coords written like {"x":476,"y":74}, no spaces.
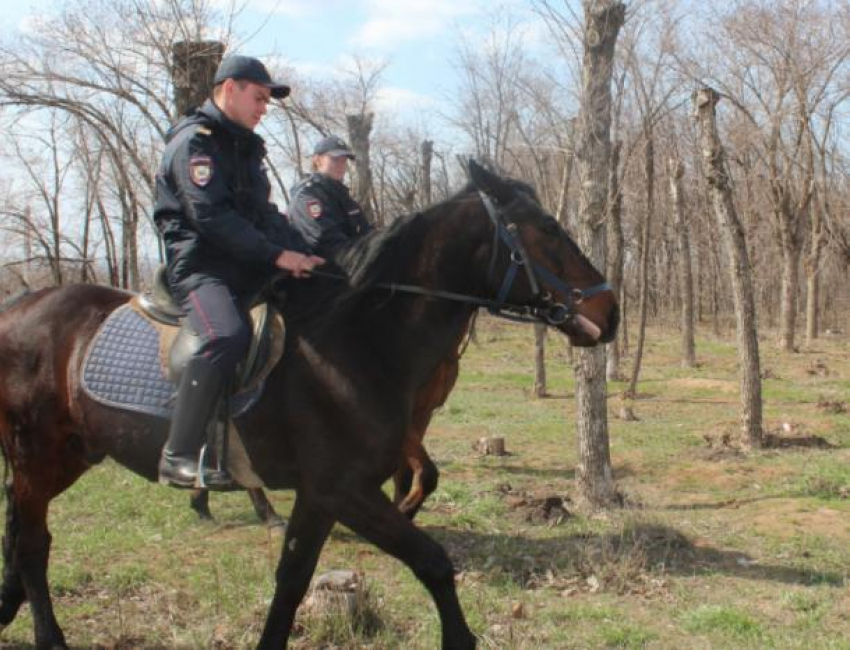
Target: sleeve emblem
{"x":314,"y":208}
{"x":200,"y":170}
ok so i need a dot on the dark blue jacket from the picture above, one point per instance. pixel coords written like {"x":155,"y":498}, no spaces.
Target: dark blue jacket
{"x":324,"y":212}
{"x":213,"y":209}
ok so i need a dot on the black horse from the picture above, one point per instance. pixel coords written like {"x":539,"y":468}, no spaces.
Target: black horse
{"x":335,"y":411}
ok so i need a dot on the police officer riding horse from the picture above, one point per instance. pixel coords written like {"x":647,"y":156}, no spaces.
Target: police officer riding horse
{"x":224,"y":239}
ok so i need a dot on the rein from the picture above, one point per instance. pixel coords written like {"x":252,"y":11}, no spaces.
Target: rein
{"x":543,"y":308}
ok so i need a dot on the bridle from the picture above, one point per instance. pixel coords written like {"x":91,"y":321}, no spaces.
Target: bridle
{"x":542,"y":308}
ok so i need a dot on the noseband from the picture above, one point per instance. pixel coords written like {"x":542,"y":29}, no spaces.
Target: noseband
{"x":542,"y":306}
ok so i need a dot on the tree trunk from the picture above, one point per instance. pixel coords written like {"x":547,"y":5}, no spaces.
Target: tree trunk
{"x":109,"y":242}
{"x":563,"y":199}
{"x":425,"y":172}
{"x":602,"y":23}
{"x":359,"y":130}
{"x":686,"y":284}
{"x":817,"y":240}
{"x":131,"y":230}
{"x":539,"y":389}
{"x":193,"y":66}
{"x":614,"y":262}
{"x":733,"y":233}
{"x":643,"y":272}
{"x":788,"y":309}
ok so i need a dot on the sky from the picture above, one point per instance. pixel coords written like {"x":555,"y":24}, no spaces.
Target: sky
{"x":417,"y":38}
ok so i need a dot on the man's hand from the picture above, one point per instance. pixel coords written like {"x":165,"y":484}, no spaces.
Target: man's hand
{"x":298,"y":264}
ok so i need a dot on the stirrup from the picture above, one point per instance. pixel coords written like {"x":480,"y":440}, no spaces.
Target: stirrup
{"x":224,"y":482}
{"x":199,"y":478}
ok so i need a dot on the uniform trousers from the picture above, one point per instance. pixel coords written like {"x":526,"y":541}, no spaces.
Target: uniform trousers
{"x":220,"y":318}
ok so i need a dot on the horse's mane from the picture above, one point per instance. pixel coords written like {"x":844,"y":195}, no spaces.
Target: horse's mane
{"x":353,"y":270}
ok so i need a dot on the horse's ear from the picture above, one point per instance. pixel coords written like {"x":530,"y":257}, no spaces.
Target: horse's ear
{"x":490,"y":183}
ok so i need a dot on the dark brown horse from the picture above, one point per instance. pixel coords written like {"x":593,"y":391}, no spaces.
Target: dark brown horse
{"x":335,"y":412}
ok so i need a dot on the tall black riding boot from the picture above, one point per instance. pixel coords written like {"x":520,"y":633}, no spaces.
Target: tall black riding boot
{"x":201,"y":388}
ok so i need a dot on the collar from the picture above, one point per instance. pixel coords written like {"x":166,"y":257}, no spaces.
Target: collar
{"x":214,"y":114}
{"x":329,"y":182}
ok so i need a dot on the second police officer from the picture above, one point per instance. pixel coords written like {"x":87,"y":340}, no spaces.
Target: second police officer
{"x":321,"y":207}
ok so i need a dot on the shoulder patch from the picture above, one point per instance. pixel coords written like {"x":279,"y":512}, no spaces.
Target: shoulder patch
{"x":200,"y":170}
{"x":203,"y":130}
{"x":314,"y":208}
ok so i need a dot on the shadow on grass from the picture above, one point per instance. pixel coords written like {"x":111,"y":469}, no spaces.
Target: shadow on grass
{"x":639,"y":549}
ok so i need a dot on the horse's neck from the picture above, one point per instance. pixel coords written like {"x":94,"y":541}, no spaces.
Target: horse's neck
{"x":421,"y":331}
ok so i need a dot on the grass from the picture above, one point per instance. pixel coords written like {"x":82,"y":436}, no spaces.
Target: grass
{"x":717,"y":549}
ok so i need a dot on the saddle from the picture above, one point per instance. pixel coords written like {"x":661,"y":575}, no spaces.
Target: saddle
{"x":135,"y":360}
{"x":178,"y":342}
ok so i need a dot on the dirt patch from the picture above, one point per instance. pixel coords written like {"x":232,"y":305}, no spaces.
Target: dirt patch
{"x":834,"y":407}
{"x":779,"y":441}
{"x":535,"y":508}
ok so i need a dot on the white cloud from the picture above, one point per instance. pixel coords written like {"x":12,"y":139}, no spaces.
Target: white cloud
{"x":399,"y":100}
{"x":292,"y":8}
{"x":393,"y":21}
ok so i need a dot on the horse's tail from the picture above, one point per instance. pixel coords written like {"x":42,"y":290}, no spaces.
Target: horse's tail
{"x":4,"y":307}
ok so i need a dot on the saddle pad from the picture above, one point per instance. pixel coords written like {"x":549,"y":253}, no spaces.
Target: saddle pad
{"x":122,"y":369}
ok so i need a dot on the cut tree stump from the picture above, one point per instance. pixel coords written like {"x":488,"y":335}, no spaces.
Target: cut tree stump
{"x":491,"y":446}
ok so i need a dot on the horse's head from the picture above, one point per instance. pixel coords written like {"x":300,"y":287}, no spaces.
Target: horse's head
{"x":535,"y":263}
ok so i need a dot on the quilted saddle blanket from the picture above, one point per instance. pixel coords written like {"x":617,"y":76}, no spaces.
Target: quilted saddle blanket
{"x":122,"y":368}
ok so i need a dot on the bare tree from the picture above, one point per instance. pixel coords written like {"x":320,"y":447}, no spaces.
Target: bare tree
{"x":603,"y":21}
{"x":676,"y":170}
{"x":717,"y":177}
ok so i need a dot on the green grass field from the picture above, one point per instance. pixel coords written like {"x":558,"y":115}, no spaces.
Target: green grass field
{"x":716,"y":549}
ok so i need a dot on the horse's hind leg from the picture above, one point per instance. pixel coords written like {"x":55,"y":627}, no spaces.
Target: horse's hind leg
{"x":12,"y":593}
{"x":264,"y":508}
{"x":29,"y":553}
{"x":199,"y":501}
{"x":305,"y":536}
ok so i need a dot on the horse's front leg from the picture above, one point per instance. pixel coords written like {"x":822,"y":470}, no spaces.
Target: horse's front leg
{"x":305,"y":536}
{"x":415,"y":479}
{"x":368,"y":512}
{"x":417,"y":476}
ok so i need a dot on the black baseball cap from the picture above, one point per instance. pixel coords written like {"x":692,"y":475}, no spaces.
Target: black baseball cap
{"x":247,"y":68}
{"x":334,"y":146}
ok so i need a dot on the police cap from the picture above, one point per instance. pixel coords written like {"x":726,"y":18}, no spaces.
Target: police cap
{"x":334,"y":146}
{"x":247,"y":68}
